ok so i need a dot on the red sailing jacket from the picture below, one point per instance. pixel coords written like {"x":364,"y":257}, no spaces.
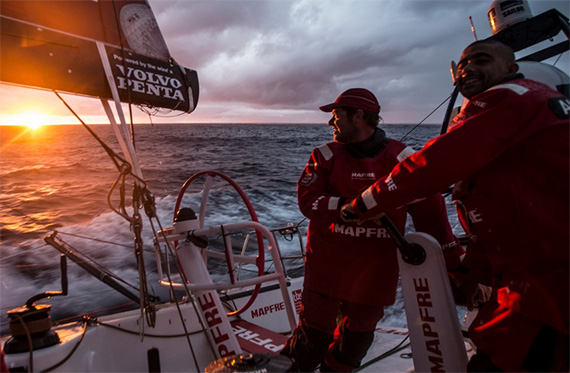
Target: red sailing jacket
{"x":509,"y":157}
{"x":358,"y":262}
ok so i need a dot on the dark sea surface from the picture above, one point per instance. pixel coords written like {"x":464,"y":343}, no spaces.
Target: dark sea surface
{"x":58,"y":177}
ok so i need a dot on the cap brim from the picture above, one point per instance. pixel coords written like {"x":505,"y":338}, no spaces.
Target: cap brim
{"x":328,"y":108}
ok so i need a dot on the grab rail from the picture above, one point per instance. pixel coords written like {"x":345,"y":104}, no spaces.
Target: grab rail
{"x":170,"y":235}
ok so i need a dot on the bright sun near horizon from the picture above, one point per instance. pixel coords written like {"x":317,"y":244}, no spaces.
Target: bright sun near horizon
{"x":31,"y":119}
{"x":34,"y":126}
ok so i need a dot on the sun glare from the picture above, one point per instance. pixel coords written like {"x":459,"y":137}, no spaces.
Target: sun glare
{"x":34,"y":126}
{"x":32,"y":120}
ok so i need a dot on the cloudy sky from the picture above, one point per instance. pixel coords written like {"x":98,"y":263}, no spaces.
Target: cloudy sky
{"x":277,"y":61}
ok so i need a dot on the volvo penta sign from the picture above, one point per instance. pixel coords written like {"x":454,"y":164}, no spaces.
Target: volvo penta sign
{"x":149,"y":81}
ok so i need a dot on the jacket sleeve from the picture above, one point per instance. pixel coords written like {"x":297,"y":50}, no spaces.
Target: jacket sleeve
{"x":430,"y":216}
{"x":315,"y":200}
{"x":448,"y":158}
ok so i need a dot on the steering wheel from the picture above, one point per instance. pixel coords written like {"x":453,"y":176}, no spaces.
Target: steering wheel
{"x":260,"y":262}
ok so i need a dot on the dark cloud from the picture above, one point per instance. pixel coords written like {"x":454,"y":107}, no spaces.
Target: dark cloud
{"x":289,"y":56}
{"x":266,"y":61}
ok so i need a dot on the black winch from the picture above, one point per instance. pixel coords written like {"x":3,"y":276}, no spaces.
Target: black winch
{"x":30,"y":325}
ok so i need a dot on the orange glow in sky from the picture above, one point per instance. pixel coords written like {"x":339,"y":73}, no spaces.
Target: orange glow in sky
{"x":32,"y":119}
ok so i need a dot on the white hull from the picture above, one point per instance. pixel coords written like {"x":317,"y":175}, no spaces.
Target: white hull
{"x":121,"y":342}
{"x":115,"y":343}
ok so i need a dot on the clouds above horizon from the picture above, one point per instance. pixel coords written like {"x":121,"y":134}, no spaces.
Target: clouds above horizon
{"x":282,"y":59}
{"x":279,"y":60}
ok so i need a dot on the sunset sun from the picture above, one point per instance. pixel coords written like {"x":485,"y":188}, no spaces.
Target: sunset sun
{"x":34,"y":126}
{"x":31,"y":119}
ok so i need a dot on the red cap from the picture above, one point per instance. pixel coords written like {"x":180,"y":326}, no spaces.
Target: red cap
{"x":358,"y":98}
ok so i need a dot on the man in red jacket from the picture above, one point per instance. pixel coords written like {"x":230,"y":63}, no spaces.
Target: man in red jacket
{"x":508,"y":156}
{"x":352,"y":269}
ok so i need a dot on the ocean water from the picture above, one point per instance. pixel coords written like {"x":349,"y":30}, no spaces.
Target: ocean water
{"x":57,"y":178}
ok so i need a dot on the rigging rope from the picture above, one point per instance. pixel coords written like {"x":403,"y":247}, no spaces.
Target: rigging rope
{"x":141,"y":197}
{"x":125,"y":170}
{"x":427,"y":116}
{"x":92,"y":239}
{"x":386,"y":354}
{"x":188,"y":292}
{"x":114,"y":156}
{"x":93,"y":262}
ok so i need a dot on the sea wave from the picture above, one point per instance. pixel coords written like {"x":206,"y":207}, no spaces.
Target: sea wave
{"x":60,"y":180}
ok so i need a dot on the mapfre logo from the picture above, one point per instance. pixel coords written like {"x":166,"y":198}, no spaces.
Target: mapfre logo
{"x":363,"y":176}
{"x":560,"y":106}
{"x":308,"y":178}
{"x":297,"y":295}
